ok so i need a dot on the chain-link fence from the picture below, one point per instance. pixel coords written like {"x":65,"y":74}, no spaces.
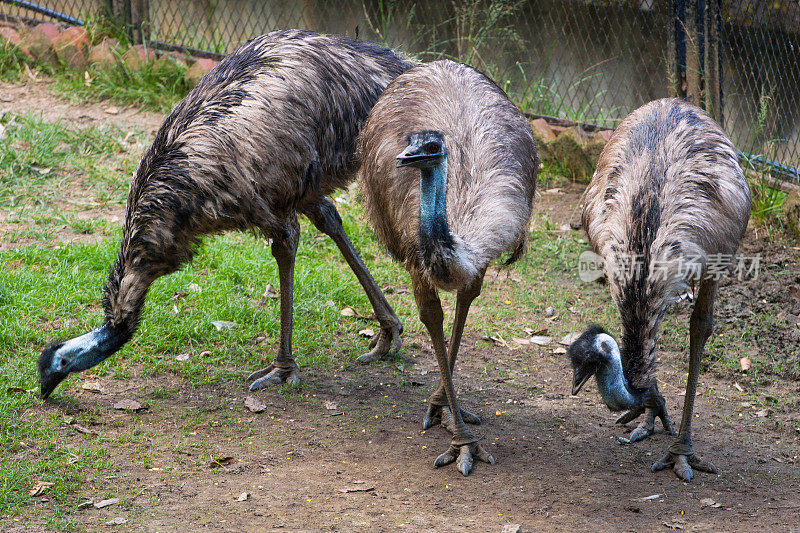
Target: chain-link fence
{"x":586,"y":60}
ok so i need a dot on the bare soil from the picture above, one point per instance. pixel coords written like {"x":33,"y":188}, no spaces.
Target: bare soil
{"x":346,"y":453}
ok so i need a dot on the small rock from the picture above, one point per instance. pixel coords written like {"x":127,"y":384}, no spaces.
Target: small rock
{"x":243,"y":497}
{"x":195,"y":73}
{"x":137,"y":56}
{"x":745,"y":363}
{"x":224,"y":324}
{"x":348,"y":311}
{"x":112,"y":110}
{"x":182,"y":357}
{"x":709,"y":502}
{"x":270,"y":292}
{"x":70,"y":47}
{"x":367,"y":332}
{"x":39,"y":42}
{"x":255,"y":405}
{"x":550,"y":311}
{"x":330,"y":406}
{"x":106,"y":503}
{"x":103,"y":54}
{"x":128,"y":405}
{"x":92,"y":386}
{"x":116,"y":521}
{"x":512,"y":528}
{"x":569,"y":339}
{"x":560,"y":350}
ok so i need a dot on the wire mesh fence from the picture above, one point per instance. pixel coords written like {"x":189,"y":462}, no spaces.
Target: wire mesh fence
{"x":586,"y":60}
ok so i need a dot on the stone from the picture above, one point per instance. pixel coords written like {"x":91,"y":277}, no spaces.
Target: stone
{"x":39,"y":42}
{"x":71,"y":47}
{"x":512,"y":528}
{"x":567,"y":149}
{"x":791,"y":213}
{"x":137,"y":56}
{"x":544,"y":135}
{"x":103,"y":55}
{"x":605,"y":134}
{"x":593,"y":148}
{"x":200,"y":68}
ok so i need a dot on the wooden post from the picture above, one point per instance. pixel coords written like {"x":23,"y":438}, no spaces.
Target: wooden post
{"x":674,"y":28}
{"x":694,"y":72}
{"x":139,"y":21}
{"x":713,"y":61}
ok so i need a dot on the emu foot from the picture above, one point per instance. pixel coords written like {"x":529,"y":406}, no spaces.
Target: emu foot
{"x":274,"y":375}
{"x":682,"y":464}
{"x":438,"y":414}
{"x":386,"y":343}
{"x":647,"y":426}
{"x":464,"y":456}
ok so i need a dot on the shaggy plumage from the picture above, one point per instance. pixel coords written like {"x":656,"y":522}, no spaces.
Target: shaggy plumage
{"x":667,"y":199}
{"x":467,"y":202}
{"x":270,"y":131}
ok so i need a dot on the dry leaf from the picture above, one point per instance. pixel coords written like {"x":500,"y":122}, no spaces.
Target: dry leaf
{"x":92,"y":386}
{"x":243,"y":497}
{"x":348,"y":311}
{"x":194,"y":287}
{"x":255,"y":405}
{"x":569,"y":339}
{"x":270,"y":292}
{"x":367,"y":332}
{"x":182,"y":357}
{"x":357,"y":489}
{"x":709,"y":502}
{"x":763,"y":413}
{"x":738,"y":387}
{"x":40,"y":487}
{"x":529,"y":331}
{"x":521,"y":342}
{"x":112,"y":110}
{"x":178,"y":295}
{"x":16,"y":390}
{"x":541,"y":340}
{"x":224,"y":324}
{"x":648,"y":498}
{"x":560,"y":350}
{"x":128,"y":405}
{"x":117,"y":521}
{"x":550,"y":311}
{"x":106,"y":503}
{"x":745,"y":362}
{"x":331,"y":406}
{"x":221,"y":461}
{"x":81,"y":429}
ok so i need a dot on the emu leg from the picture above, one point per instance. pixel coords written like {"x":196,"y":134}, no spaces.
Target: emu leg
{"x":464,"y":447}
{"x":681,"y":457}
{"x":283,"y":368}
{"x":438,"y":412}
{"x":647,"y":426}
{"x":387,"y":342}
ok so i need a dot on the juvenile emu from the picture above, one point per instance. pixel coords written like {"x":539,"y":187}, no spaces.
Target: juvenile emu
{"x":269,"y":132}
{"x":449,"y":173}
{"x":667,"y":201}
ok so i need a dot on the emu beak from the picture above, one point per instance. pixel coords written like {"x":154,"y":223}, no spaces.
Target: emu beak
{"x":581,"y":375}
{"x":413,"y":156}
{"x":49,"y":383}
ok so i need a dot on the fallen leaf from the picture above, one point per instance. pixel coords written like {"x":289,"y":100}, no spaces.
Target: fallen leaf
{"x":194,"y":287}
{"x":224,"y":324}
{"x":81,"y":429}
{"x":270,"y":292}
{"x":106,"y":503}
{"x":117,"y":521}
{"x":745,"y":362}
{"x":84,"y":505}
{"x":348,"y":311}
{"x":560,"y":350}
{"x":541,"y":340}
{"x":709,"y":502}
{"x":40,"y":487}
{"x":182,"y":357}
{"x":569,"y":339}
{"x":648,"y":498}
{"x":92,"y":386}
{"x":331,"y":406}
{"x":112,"y":110}
{"x":550,"y":311}
{"x":221,"y":461}
{"x":243,"y":497}
{"x":128,"y":405}
{"x":367,"y":332}
{"x":16,"y":390}
{"x":673,"y":526}
{"x":178,"y":295}
{"x":738,"y":387}
{"x":521,"y":342}
{"x":255,"y":405}
{"x":763,"y":413}
{"x":529,"y":331}
{"x":205,"y":353}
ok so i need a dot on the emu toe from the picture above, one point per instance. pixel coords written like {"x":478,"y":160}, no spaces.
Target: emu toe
{"x":438,"y":414}
{"x":683,"y":464}
{"x":274,"y":375}
{"x":464,"y":457}
{"x":647,"y":426}
{"x":384,"y":345}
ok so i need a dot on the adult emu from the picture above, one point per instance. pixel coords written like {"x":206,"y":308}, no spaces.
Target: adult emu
{"x":268,"y":133}
{"x":449,"y":173}
{"x":668,"y":200}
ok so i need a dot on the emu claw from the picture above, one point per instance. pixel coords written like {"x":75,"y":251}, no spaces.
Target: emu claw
{"x":682,"y":465}
{"x":386,"y":343}
{"x":630,"y":416}
{"x":273,"y":375}
{"x":647,"y":426}
{"x":464,"y":457}
{"x":438,"y":414}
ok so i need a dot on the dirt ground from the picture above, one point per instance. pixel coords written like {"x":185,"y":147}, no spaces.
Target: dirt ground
{"x":347,"y":452}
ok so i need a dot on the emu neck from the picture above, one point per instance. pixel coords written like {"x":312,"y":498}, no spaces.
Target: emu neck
{"x":614,"y":387}
{"x":432,"y":208}
{"x":94,"y":347}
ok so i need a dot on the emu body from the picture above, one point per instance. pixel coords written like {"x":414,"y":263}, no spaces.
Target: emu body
{"x":449,"y":174}
{"x":667,"y":197}
{"x":268,"y":133}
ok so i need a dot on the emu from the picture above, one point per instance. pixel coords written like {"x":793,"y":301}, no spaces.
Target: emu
{"x":268,"y":133}
{"x":667,"y":203}
{"x":449,"y":174}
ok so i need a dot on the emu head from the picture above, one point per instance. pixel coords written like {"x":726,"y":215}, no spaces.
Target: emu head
{"x":594,"y":349}
{"x":425,"y":150}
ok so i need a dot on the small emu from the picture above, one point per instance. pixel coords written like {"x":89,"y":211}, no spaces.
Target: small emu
{"x":667,"y":198}
{"x":269,"y":132}
{"x":449,"y":174}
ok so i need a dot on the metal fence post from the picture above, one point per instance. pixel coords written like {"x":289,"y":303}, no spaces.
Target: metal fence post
{"x":694,"y":67}
{"x":713,"y":61}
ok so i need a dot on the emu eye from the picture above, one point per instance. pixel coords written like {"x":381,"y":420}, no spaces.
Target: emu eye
{"x":431,"y":148}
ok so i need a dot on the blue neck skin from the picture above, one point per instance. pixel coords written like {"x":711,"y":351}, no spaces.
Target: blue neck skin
{"x":613,"y":385}
{"x":86,"y":351}
{"x":432,"y":194}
